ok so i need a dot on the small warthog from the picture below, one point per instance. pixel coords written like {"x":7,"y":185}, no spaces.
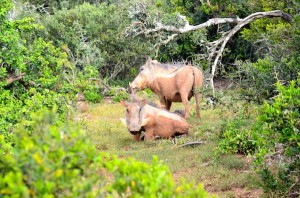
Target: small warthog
{"x":155,"y":122}
{"x":171,"y":83}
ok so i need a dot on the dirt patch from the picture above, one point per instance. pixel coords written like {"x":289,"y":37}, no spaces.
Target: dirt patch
{"x":179,"y":174}
{"x":235,"y":192}
{"x":108,"y":100}
{"x":243,"y":193}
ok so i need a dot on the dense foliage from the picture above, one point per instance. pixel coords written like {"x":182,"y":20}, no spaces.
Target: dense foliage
{"x":52,"y":161}
{"x":273,"y":138}
{"x":36,"y":65}
{"x":280,"y":142}
{"x":236,"y":138}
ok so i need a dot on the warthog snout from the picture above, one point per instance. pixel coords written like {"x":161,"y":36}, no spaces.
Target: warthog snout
{"x":134,"y":128}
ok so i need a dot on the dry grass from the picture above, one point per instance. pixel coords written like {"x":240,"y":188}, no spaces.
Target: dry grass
{"x":226,"y":176}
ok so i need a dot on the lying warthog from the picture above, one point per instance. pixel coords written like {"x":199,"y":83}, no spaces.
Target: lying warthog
{"x":171,"y":83}
{"x":154,"y":121}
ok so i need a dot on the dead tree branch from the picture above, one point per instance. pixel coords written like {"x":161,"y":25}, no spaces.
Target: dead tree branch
{"x":215,"y":48}
{"x":14,"y":78}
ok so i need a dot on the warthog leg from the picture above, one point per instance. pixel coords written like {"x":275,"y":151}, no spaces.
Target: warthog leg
{"x":168,"y":104}
{"x":137,"y":137}
{"x":149,"y":134}
{"x":185,"y":101}
{"x":163,"y":102}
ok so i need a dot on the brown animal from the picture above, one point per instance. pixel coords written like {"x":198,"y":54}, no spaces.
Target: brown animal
{"x":141,"y":116}
{"x":171,"y":83}
{"x":81,"y":104}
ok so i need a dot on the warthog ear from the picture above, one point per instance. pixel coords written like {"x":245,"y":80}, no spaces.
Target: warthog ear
{"x":130,"y":88}
{"x":148,"y":62}
{"x":143,"y":102}
{"x":123,"y":121}
{"x":145,"y":121}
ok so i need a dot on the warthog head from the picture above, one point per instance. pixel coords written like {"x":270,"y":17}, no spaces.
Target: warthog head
{"x":145,"y":75}
{"x":133,"y":116}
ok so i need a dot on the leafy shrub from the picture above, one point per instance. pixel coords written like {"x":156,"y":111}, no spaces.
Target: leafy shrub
{"x":138,"y":179}
{"x":93,"y":39}
{"x":274,"y":138}
{"x":53,"y":161}
{"x":257,"y":79}
{"x":93,"y":95}
{"x":48,"y":78}
{"x":156,"y":179}
{"x":118,"y":93}
{"x":236,"y":138}
{"x":279,"y":153}
{"x":13,"y":110}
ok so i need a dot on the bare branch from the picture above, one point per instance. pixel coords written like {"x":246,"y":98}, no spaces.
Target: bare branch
{"x":186,"y":28}
{"x":101,"y":82}
{"x":14,"y":78}
{"x":225,"y":37}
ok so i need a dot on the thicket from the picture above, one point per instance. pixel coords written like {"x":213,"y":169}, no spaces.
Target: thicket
{"x":273,"y":139}
{"x":279,"y":154}
{"x":31,"y":73}
{"x":96,"y":39}
{"x":36,"y":74}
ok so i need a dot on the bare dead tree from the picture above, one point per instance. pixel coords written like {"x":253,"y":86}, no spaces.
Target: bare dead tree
{"x":215,"y":48}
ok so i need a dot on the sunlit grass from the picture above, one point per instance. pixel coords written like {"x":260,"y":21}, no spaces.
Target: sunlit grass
{"x":221,"y":175}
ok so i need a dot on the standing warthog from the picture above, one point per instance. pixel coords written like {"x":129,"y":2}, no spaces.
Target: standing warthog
{"x":141,"y":116}
{"x":171,"y":83}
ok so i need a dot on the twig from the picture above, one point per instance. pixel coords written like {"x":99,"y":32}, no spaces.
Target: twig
{"x":195,"y":143}
{"x":15,"y":78}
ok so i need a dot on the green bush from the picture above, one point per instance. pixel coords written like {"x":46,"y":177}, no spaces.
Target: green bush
{"x":156,"y":179}
{"x":97,"y":39}
{"x":118,"y":93}
{"x":138,"y":179}
{"x":93,"y":95}
{"x":279,"y":154}
{"x":236,"y":138}
{"x":258,"y":80}
{"x":59,"y":161}
{"x":273,"y":139}
{"x":13,"y":110}
{"x":277,"y":53}
{"x":49,"y":161}
{"x":48,"y":78}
